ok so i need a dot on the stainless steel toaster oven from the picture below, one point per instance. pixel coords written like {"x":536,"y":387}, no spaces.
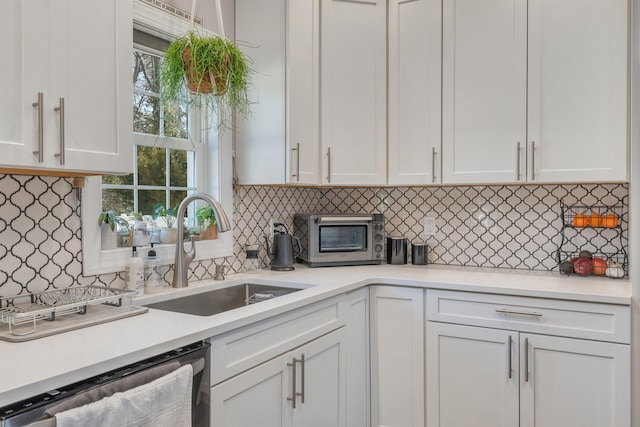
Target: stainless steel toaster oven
{"x":340,"y":239}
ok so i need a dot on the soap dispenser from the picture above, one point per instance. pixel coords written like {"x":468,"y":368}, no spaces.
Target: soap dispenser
{"x":153,"y":272}
{"x":134,"y":273}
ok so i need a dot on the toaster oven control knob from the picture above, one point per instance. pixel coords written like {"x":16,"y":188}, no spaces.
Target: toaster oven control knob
{"x":378,"y":238}
{"x":378,"y":248}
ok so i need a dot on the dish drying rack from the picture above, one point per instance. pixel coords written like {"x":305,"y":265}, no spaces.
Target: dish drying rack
{"x":48,"y":305}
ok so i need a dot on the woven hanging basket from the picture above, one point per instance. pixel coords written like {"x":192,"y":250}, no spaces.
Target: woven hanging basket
{"x":201,"y":84}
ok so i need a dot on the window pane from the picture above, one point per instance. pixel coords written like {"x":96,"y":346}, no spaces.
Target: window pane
{"x":145,"y":72}
{"x":152,"y":166}
{"x":146,"y":114}
{"x":118,"y":179}
{"x":178,"y":164}
{"x":147,"y":199}
{"x":177,"y":196}
{"x":119,"y":200}
{"x":176,"y":123}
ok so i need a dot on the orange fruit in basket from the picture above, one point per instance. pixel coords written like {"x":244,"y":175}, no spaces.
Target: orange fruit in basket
{"x":599,"y":266}
{"x":580,"y":220}
{"x":595,"y":220}
{"x":610,"y":221}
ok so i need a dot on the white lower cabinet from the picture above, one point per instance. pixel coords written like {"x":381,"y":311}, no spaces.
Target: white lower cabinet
{"x":481,"y":376}
{"x":304,"y":387}
{"x":574,"y":382}
{"x":469,"y":382}
{"x":397,"y":356}
{"x":358,"y":360}
{"x":287,"y":370}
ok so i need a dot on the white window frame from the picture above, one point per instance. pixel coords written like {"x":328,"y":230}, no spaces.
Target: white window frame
{"x":216,"y":180}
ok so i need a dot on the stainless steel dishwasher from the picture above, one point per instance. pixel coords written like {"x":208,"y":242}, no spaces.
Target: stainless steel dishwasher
{"x":37,"y":410}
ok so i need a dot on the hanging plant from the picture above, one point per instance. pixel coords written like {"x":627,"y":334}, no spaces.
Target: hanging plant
{"x":214,"y":71}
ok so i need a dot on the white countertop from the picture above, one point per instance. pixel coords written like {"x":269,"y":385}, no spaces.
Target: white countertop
{"x":34,"y":367}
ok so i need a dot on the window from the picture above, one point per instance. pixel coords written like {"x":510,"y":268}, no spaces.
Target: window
{"x":176,"y":151}
{"x":167,"y":151}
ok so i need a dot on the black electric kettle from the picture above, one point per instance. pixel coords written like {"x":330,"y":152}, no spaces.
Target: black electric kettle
{"x":281,"y":253}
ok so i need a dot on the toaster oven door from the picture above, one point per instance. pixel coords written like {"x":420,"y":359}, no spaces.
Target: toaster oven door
{"x":341,"y":239}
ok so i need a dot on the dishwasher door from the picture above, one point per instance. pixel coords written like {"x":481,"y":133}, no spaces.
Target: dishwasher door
{"x":39,"y":410}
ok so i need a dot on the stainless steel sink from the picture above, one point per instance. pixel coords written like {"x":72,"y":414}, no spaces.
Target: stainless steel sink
{"x":221,"y":300}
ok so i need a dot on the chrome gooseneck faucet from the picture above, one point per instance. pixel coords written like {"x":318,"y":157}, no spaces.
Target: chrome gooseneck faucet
{"x":183,"y":259}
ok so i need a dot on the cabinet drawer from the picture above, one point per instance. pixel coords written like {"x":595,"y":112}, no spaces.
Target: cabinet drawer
{"x":241,"y":349}
{"x":603,"y":322}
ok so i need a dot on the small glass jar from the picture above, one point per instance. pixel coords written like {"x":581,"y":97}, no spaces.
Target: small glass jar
{"x":252,"y":263}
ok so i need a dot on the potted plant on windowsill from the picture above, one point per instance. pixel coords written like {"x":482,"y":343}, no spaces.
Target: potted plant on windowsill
{"x":168,"y":216}
{"x":207,"y":220}
{"x":109,"y":222}
{"x":215,"y":70}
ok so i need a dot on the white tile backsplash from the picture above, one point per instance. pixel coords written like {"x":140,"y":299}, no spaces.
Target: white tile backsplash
{"x":498,"y":226}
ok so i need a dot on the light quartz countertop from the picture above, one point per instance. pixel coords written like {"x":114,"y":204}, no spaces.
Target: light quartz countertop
{"x":38,"y":366}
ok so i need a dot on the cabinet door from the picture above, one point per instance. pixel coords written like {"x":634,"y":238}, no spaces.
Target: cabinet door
{"x":254,"y":398}
{"x":353,"y":51}
{"x":414,"y":91}
{"x":577,"y":124}
{"x":263,"y":396}
{"x":484,"y":84}
{"x":321,"y":382}
{"x":91,"y":70}
{"x":397,"y":356}
{"x":260,"y":137}
{"x":23,"y":40}
{"x":64,"y":52}
{"x":570,"y":382}
{"x":472,"y":376}
{"x":303,"y":95}
{"x":358,"y":366}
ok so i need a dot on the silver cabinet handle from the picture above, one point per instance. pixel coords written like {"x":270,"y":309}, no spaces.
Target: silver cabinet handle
{"x":301,"y":394}
{"x":533,"y":160}
{"x":520,"y":312}
{"x":293,"y":382}
{"x":518,"y":161}
{"x":526,"y":360}
{"x":433,"y":164}
{"x":329,"y":164}
{"x":40,"y":106}
{"x":60,"y":110}
{"x":510,"y":363}
{"x":297,"y":150}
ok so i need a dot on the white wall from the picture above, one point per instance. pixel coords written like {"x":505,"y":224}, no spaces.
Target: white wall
{"x":634,"y":196}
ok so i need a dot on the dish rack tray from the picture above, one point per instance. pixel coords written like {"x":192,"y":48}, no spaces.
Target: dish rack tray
{"x":49,"y":305}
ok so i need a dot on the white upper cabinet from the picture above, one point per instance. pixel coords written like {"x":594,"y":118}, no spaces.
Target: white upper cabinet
{"x":354,"y":104}
{"x":13,"y":143}
{"x":418,"y":92}
{"x":278,"y":142}
{"x":414,"y":91}
{"x":303,"y":95}
{"x":531,"y":96}
{"x":484,"y":88}
{"x":577,"y":115}
{"x":82,"y":68}
{"x":260,"y":137}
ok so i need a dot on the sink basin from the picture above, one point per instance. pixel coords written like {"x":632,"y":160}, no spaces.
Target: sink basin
{"x":221,"y":300}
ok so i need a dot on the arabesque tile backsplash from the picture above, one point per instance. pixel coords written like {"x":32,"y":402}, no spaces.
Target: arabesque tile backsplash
{"x":494,"y":226}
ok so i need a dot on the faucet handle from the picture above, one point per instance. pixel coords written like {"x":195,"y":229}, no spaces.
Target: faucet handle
{"x":220,"y":271}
